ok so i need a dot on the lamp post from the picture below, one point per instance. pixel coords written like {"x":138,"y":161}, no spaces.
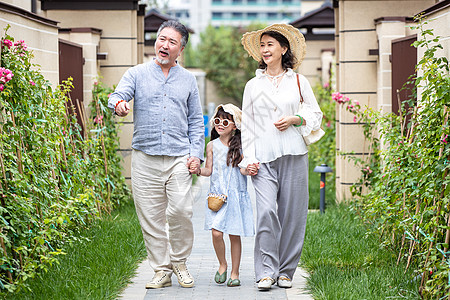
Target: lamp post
{"x":322,"y":169}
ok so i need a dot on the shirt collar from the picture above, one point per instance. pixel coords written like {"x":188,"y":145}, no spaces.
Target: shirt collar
{"x":260,"y":73}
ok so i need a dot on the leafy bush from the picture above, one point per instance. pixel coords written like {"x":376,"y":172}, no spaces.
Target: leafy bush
{"x":53,"y":180}
{"x":409,"y":187}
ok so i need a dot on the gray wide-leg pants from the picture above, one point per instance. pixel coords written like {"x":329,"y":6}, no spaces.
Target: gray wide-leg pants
{"x":282,"y":196}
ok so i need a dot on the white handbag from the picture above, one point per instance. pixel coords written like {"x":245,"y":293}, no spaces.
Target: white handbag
{"x":315,"y":135}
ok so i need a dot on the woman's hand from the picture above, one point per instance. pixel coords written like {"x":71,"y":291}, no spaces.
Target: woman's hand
{"x":252,"y":169}
{"x":284,"y":123}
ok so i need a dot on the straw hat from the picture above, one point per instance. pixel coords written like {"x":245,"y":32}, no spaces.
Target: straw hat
{"x":251,"y":41}
{"x":232,"y":110}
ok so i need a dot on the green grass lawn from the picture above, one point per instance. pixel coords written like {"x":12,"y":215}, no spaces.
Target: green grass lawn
{"x":346,"y":263}
{"x":97,"y":266}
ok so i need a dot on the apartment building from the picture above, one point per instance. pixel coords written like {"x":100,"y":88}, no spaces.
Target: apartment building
{"x":198,"y":14}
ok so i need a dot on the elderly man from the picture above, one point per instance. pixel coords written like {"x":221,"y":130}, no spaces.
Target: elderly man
{"x":168,"y":143}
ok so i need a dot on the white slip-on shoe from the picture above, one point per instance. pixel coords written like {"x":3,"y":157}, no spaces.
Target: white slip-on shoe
{"x":185,"y":279}
{"x":266,"y":283}
{"x":284,"y":282}
{"x":159,"y":280}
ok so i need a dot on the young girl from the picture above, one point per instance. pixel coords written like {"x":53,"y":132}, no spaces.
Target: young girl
{"x":235,"y":217}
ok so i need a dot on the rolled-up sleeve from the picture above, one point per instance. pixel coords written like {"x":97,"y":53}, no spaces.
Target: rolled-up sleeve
{"x":195,"y":124}
{"x":311,"y":111}
{"x":248,"y":129}
{"x":124,"y":90}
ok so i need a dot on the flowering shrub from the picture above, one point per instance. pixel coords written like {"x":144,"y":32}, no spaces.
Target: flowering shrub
{"x":409,"y":184}
{"x":53,"y":181}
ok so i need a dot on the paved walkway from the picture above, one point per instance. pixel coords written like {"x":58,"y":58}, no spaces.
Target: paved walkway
{"x":203,"y":264}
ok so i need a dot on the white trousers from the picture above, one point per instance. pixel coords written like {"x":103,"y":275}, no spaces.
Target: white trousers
{"x":162,"y":194}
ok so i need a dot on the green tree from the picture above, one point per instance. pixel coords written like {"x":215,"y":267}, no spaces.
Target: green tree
{"x":224,"y":59}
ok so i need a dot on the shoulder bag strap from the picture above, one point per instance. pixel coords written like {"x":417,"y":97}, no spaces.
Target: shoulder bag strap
{"x":299,"y":89}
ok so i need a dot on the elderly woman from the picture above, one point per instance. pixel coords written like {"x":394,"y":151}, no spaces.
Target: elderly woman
{"x":273,"y":124}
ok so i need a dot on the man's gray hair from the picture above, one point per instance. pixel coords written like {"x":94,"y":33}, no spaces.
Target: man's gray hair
{"x":178,"y":27}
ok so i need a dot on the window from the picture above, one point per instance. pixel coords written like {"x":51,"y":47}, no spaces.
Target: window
{"x":272,"y":1}
{"x":217,"y":15}
{"x":217,"y":1}
{"x":287,"y":15}
{"x":252,"y":1}
{"x":237,"y":15}
{"x":178,"y":15}
{"x":237,"y":1}
{"x":272,"y":15}
{"x":287,"y":1}
{"x":252,"y":15}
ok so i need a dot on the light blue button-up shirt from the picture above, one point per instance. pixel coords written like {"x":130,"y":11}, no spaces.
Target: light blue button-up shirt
{"x":168,"y":118}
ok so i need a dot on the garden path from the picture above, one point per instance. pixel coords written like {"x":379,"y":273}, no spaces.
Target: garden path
{"x":202,"y":265}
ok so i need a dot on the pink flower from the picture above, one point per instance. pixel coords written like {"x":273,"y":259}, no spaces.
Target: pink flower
{"x":32,"y":83}
{"x":95,"y":82}
{"x":368,"y":170}
{"x":337,"y":97}
{"x":98,"y":119}
{"x":329,"y":124}
{"x":444,"y":140}
{"x":326,"y":85}
{"x":21,"y":44}
{"x":109,"y":95}
{"x":1,"y":87}
{"x":350,"y":107}
{"x":355,"y":102}
{"x":5,"y":75}
{"x":346,"y":99}
{"x":7,"y":43}
{"x":354,"y":119}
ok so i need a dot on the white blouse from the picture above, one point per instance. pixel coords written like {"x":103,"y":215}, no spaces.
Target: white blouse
{"x":263,"y":105}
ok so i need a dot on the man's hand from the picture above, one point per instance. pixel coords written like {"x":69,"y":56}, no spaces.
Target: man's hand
{"x":193,"y":164}
{"x":122,"y":109}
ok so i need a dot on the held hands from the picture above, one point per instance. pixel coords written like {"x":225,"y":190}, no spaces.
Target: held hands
{"x":193,"y":164}
{"x":252,"y":169}
{"x":284,"y":123}
{"x":122,"y":109}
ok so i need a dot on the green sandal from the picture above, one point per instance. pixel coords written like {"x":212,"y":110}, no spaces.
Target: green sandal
{"x":233,"y":282}
{"x":220,"y":278}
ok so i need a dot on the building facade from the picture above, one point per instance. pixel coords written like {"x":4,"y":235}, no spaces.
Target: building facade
{"x":367,"y":35}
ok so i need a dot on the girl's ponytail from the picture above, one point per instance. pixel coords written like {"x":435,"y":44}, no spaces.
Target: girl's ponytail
{"x":234,"y":156}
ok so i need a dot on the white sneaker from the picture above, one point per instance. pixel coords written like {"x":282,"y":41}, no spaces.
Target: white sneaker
{"x":184,"y":278}
{"x":284,"y":282}
{"x":159,"y":280}
{"x":265,"y":283}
